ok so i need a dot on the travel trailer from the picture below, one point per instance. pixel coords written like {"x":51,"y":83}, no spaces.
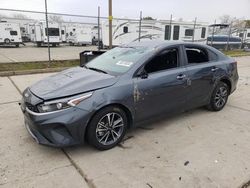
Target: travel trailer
{"x":245,"y":36}
{"x":63,"y":33}
{"x":39,"y":34}
{"x":79,"y":34}
{"x":126,"y":31}
{"x":23,"y":22}
{"x":10,"y":34}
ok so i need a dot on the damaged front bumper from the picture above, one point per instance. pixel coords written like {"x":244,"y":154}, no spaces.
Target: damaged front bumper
{"x":58,"y":129}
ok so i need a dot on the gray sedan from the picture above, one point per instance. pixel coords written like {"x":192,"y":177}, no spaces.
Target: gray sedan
{"x":124,"y":86}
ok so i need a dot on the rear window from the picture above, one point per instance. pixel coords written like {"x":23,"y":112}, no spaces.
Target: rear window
{"x":13,"y":32}
{"x":52,"y":31}
{"x":189,"y":32}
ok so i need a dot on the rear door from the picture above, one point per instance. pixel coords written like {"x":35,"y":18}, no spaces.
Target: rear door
{"x":201,"y":71}
{"x":164,"y":88}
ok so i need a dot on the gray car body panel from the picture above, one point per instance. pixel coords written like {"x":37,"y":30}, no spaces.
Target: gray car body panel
{"x":159,"y":93}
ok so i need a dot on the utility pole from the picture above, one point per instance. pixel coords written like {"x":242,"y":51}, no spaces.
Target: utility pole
{"x":47,"y":25}
{"x":98,"y":28}
{"x":195,"y":20}
{"x":110,"y":24}
{"x":140,"y":26}
{"x":170,"y":27}
{"x":212,"y":39}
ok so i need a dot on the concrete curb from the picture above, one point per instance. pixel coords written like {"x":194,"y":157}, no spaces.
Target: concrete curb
{"x":33,"y":71}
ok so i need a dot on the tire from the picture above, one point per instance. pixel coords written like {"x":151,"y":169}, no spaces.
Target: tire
{"x":17,"y":45}
{"x":54,"y":45}
{"x":39,"y":44}
{"x":7,"y":41}
{"x":219,"y":97}
{"x":99,"y":132}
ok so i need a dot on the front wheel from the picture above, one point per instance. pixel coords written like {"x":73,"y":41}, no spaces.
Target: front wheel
{"x":107,"y":128}
{"x":219,"y":97}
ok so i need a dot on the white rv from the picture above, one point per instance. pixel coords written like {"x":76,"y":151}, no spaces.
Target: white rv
{"x":245,"y":36}
{"x":10,"y":34}
{"x":125,"y":31}
{"x":63,"y":33}
{"x":39,"y":33}
{"x":79,"y":34}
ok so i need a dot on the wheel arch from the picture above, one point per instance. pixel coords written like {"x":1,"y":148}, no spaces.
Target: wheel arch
{"x":228,"y":82}
{"x":119,"y":105}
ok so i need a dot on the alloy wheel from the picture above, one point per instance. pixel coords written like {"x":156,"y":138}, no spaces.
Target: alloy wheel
{"x":110,"y":128}
{"x":220,"y":97}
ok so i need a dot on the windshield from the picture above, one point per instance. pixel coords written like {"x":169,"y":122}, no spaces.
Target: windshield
{"x":118,"y":60}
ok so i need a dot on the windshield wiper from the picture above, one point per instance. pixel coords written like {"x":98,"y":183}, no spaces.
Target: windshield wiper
{"x":98,"y":70}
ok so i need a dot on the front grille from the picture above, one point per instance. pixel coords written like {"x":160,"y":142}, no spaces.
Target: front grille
{"x":31,"y":107}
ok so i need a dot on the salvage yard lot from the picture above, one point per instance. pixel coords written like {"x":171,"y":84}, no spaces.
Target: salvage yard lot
{"x":194,"y":149}
{"x":31,"y":53}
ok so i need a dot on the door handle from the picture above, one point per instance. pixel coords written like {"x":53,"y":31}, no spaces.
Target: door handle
{"x":181,"y":77}
{"x":214,"y":69}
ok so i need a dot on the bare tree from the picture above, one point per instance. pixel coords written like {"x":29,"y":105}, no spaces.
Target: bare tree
{"x":148,"y":18}
{"x":226,"y":19}
{"x":55,"y":18}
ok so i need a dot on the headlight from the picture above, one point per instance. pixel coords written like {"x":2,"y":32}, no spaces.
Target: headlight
{"x":62,"y":103}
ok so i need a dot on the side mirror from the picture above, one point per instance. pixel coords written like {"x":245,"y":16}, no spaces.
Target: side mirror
{"x":143,"y":74}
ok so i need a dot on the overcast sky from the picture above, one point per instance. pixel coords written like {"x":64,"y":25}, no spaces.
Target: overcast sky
{"x":204,"y":10}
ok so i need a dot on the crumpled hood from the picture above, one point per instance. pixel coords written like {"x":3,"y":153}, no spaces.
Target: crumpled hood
{"x":70,"y":82}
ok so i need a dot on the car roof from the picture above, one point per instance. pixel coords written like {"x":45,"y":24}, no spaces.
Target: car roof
{"x":159,"y":44}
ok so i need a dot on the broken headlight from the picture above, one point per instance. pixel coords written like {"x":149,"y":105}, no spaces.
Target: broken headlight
{"x":61,"y":104}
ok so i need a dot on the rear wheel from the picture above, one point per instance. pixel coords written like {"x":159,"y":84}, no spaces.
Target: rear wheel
{"x":7,"y":41}
{"x":107,"y":128}
{"x":219,"y":97}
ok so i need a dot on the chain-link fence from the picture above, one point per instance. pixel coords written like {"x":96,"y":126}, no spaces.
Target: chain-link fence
{"x":61,"y":36}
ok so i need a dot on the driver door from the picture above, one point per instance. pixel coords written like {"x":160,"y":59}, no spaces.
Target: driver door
{"x":161,"y":86}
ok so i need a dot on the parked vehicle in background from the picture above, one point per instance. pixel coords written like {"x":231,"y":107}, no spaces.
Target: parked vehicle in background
{"x":222,"y":41}
{"x":63,"y":33}
{"x":124,"y":86}
{"x":79,"y":34}
{"x":126,"y":31}
{"x":39,"y":33}
{"x":245,"y":37}
{"x":10,"y":34}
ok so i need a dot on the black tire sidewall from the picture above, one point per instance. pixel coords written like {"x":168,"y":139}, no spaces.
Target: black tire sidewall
{"x":212,"y":101}
{"x":91,"y":129}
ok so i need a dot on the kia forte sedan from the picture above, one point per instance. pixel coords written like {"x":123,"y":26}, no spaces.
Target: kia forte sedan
{"x":126,"y":85}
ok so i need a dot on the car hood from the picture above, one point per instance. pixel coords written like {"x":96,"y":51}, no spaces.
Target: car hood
{"x":71,"y":82}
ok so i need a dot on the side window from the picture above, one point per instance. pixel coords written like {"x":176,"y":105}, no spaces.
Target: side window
{"x":189,"y":32}
{"x":125,"y":29}
{"x":203,"y":32}
{"x":13,"y":33}
{"x":62,"y":32}
{"x":166,"y":60}
{"x":176,"y":32}
{"x":167,"y":32}
{"x":241,"y":35}
{"x":196,"y":55}
{"x":248,"y":34}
